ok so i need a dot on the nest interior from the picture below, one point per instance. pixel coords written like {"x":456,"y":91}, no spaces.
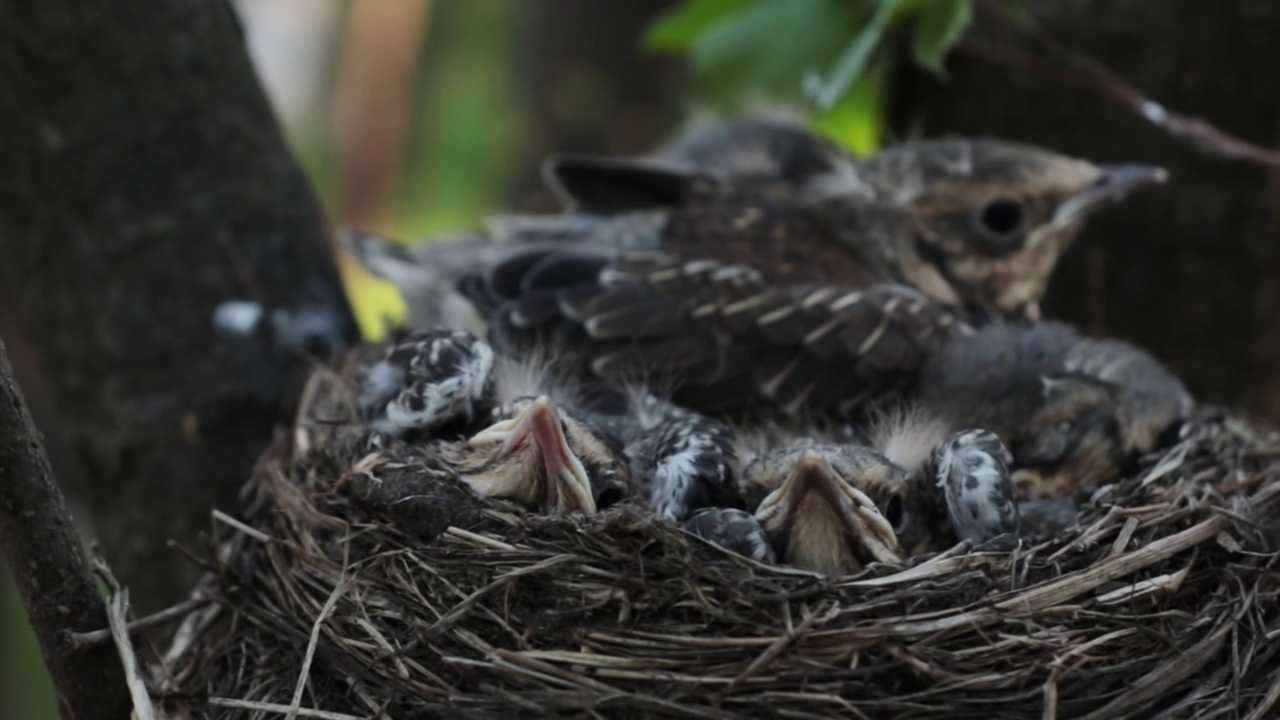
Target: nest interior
{"x":354,"y":587}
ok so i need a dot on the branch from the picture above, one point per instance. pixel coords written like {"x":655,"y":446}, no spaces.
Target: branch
{"x":1087,"y":75}
{"x":43,"y":550}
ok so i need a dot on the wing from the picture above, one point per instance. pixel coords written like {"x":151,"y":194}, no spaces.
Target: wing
{"x":769,"y":158}
{"x":721,"y":334}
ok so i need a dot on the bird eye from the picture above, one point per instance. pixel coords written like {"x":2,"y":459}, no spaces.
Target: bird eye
{"x":893,"y":512}
{"x":1002,"y":217}
{"x":609,"y":497}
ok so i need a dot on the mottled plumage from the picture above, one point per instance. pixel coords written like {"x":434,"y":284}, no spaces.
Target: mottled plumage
{"x":735,"y":530}
{"x":678,"y":460}
{"x":824,"y":502}
{"x":972,"y":470}
{"x":682,"y":460}
{"x":425,"y":381}
{"x":737,"y":296}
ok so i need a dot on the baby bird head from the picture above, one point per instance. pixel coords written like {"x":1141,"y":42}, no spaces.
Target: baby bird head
{"x":830,"y":508}
{"x":545,"y":458}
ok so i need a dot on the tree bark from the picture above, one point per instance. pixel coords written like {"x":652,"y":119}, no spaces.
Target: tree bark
{"x":163,"y":257}
{"x":41,"y":546}
{"x":1191,"y":270}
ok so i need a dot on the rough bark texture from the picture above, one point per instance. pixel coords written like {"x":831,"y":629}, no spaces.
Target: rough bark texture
{"x":144,"y":185}
{"x":1189,"y":270}
{"x":41,"y":545}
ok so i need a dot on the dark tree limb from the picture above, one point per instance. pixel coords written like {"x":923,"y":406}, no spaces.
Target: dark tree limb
{"x":42,"y":548}
{"x":163,"y":257}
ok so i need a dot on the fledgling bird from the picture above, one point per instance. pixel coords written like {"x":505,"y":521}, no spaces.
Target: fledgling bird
{"x":506,"y":428}
{"x":541,"y":457}
{"x":551,"y":427}
{"x":1072,"y":410}
{"x":750,"y":158}
{"x":830,"y":508}
{"x":836,"y":507}
{"x":849,"y":293}
{"x":767,"y":158}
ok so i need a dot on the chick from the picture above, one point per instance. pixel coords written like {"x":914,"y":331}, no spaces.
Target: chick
{"x":743,"y":298}
{"x":539,"y":447}
{"x":1073,"y":411}
{"x":542,"y":458}
{"x":835,"y":507}
{"x":830,"y":508}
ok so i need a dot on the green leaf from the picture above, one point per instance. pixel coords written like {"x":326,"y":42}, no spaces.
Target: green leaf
{"x":856,"y":121}
{"x":681,"y":27}
{"x":756,"y":51}
{"x":940,"y":24}
{"x":854,"y":59}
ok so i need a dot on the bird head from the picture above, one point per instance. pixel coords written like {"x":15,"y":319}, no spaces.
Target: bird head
{"x":829,"y":508}
{"x":992,"y":218}
{"x":1073,"y":439}
{"x":544,"y":458}
{"x":972,"y":470}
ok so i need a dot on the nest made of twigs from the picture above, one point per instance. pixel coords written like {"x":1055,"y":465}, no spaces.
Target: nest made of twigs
{"x":330,"y":598}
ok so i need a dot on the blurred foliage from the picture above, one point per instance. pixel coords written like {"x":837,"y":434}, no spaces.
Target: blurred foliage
{"x":833,"y":57}
{"x":26,"y":691}
{"x":465,"y":127}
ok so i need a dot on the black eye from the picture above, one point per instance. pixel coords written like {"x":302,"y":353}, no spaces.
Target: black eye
{"x":1002,"y":216}
{"x":893,"y":512}
{"x":609,"y":497}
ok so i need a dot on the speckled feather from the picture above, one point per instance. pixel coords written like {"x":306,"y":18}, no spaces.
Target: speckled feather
{"x":682,"y":290}
{"x":425,"y":381}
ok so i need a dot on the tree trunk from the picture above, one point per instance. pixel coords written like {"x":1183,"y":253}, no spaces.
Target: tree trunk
{"x":1189,"y":270}
{"x":163,"y":257}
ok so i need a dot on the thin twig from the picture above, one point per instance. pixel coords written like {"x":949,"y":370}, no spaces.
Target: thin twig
{"x":295,"y":706}
{"x":118,"y":619}
{"x":1087,"y":75}
{"x":80,"y":641}
{"x":279,"y":709}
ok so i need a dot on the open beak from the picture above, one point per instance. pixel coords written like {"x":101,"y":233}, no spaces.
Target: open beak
{"x":1113,"y":185}
{"x":536,"y":439}
{"x":820,"y":521}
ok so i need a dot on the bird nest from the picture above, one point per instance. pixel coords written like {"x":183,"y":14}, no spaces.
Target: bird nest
{"x":345,"y":590}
